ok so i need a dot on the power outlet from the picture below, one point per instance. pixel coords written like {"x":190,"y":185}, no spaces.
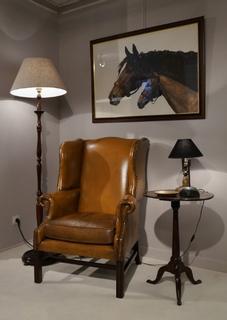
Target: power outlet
{"x":14,"y":218}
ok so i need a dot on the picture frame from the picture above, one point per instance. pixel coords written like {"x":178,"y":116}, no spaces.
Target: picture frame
{"x":156,"y":73}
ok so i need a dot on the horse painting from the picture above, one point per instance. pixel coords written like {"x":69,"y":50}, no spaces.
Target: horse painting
{"x":172,"y":74}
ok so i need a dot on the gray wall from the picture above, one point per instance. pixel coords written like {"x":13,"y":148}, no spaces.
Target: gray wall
{"x":209,"y":172}
{"x":25,"y":30}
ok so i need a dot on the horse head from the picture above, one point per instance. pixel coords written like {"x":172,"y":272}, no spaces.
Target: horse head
{"x":151,"y":91}
{"x":128,"y":81}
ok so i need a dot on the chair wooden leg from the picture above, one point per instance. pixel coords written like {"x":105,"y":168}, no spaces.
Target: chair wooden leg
{"x":38,"y":276}
{"x":137,"y":258}
{"x":120,"y":279}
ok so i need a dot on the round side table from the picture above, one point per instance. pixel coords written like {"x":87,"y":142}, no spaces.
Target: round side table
{"x":176,"y":265}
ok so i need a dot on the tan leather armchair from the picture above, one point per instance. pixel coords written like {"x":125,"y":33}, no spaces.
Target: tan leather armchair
{"x":95,"y":212}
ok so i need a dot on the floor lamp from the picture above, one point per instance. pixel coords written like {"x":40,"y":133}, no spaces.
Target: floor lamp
{"x":37,"y":78}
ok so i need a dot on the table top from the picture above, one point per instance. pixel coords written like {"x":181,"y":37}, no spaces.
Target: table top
{"x":203,"y":195}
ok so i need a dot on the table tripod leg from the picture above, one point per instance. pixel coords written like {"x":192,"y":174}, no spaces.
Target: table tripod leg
{"x":178,"y":288}
{"x":159,"y":275}
{"x":189,"y":274}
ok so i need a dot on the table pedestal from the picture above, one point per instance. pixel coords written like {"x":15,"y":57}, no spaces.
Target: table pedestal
{"x":175,"y":265}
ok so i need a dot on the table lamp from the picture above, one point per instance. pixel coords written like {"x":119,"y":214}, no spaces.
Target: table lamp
{"x":186,"y":149}
{"x":38,"y":78}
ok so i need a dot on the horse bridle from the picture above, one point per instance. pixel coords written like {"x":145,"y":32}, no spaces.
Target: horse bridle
{"x":127,"y":92}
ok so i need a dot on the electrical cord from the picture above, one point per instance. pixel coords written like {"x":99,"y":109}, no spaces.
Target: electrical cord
{"x":21,"y":233}
{"x":195,"y":231}
{"x":28,"y":243}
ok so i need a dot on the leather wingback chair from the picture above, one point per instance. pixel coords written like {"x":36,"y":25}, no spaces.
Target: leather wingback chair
{"x":95,"y":212}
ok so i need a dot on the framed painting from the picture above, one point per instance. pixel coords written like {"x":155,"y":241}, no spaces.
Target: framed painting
{"x":156,"y":73}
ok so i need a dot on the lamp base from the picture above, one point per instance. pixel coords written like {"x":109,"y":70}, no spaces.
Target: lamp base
{"x":47,"y":258}
{"x":189,"y":192}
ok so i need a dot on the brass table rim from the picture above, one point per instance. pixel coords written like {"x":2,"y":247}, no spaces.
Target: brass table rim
{"x":204,"y":195}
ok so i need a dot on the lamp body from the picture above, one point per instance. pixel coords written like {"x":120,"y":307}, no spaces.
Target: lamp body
{"x":186,"y":163}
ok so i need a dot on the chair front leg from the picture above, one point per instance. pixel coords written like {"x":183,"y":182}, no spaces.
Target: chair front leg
{"x":120,"y":275}
{"x":38,"y":276}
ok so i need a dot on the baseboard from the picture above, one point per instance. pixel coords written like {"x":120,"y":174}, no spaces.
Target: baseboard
{"x":14,"y":246}
{"x":156,"y":256}
{"x":153,"y":261}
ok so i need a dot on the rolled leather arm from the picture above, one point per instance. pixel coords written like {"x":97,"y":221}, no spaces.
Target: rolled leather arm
{"x":128,"y":202}
{"x":38,"y":236}
{"x":125,"y":208}
{"x":60,"y":203}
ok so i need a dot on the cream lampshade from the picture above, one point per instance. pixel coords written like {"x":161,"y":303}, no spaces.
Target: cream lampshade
{"x":38,"y":76}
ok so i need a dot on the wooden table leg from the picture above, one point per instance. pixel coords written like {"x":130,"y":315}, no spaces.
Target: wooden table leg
{"x":175,"y":265}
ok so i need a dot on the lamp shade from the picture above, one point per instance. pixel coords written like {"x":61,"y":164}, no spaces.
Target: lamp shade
{"x":38,"y":75}
{"x":185,"y":148}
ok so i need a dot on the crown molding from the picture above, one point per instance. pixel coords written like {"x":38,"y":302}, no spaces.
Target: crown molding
{"x":46,"y":5}
{"x":66,"y":8}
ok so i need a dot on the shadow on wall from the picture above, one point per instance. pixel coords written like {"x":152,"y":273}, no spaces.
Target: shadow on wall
{"x":65,"y":109}
{"x":142,"y":233}
{"x":19,"y":19}
{"x":44,"y":178}
{"x":188,"y":217}
{"x":25,"y":30}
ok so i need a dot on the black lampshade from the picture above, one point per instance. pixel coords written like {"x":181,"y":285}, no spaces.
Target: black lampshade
{"x":185,"y":148}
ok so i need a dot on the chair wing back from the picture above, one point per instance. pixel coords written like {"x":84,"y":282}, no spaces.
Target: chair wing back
{"x":107,"y":174}
{"x":71,"y":157}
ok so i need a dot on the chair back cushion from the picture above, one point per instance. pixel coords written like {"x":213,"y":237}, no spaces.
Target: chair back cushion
{"x":107,"y":174}
{"x":71,"y":156}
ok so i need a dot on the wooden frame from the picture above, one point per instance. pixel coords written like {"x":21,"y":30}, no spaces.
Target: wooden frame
{"x":121,"y":267}
{"x":125,"y":74}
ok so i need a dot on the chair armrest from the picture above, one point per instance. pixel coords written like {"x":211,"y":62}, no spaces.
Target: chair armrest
{"x":125,"y":209}
{"x":128,"y":204}
{"x":60,"y":203}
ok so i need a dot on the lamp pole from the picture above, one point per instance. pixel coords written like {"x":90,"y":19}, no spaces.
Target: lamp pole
{"x":39,"y":112}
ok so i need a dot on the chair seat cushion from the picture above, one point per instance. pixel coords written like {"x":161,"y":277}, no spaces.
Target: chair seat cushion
{"x":82,"y":227}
